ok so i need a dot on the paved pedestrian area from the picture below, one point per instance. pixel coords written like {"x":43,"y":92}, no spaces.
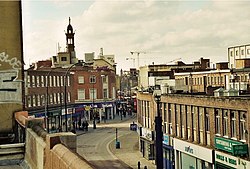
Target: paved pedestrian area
{"x":129,"y":151}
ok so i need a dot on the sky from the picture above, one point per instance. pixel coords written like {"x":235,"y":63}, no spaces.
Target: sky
{"x":161,"y":31}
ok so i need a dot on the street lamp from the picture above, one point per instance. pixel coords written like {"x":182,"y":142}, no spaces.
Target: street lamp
{"x":94,"y":124}
{"x":46,"y":99}
{"x":158,"y":129}
{"x":120,"y":108}
{"x":65,"y":95}
{"x":104,"y":96}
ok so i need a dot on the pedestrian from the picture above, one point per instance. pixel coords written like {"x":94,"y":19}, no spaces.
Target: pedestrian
{"x":87,"y":125}
{"x":79,"y":123}
{"x":83,"y":125}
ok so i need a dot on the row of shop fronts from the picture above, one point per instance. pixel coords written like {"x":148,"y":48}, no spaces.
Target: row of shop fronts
{"x":77,"y":114}
{"x":180,"y":154}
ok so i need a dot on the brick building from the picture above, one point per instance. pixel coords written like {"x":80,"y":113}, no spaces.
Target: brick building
{"x":199,"y":131}
{"x":67,"y":87}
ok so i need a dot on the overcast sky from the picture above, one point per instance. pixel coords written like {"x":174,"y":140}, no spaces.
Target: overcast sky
{"x":162,"y":31}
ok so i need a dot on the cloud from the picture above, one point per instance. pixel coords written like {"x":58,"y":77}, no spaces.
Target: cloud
{"x":165,"y":29}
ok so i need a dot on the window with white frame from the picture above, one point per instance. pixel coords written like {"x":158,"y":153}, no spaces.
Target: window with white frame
{"x":81,"y":94}
{"x":38,"y":100}
{"x":51,"y":98}
{"x":242,"y":52}
{"x":58,"y":81}
{"x":148,"y":114}
{"x":225,"y":122}
{"x":200,"y":119}
{"x":104,"y":79}
{"x":42,"y":81}
{"x":34,"y":100}
{"x":59,"y":98}
{"x":248,"y":51}
{"x":54,"y":81}
{"x":33,"y":81}
{"x":194,"y":121}
{"x":69,"y":97}
{"x":62,"y":80}
{"x":243,"y":126}
{"x":29,"y":101}
{"x":92,"y":79}
{"x":55,"y":98}
{"x":68,"y":81}
{"x":217,"y":121}
{"x":207,"y":120}
{"x":170,"y":130}
{"x":188,"y":121}
{"x":38,"y":81}
{"x":92,"y":93}
{"x":28,"y":81}
{"x":233,"y":123}
{"x":105,"y":93}
{"x":183,"y":121}
{"x":177,"y":114}
{"x":165,"y":117}
{"x":50,"y":81}
{"x":81,"y":79}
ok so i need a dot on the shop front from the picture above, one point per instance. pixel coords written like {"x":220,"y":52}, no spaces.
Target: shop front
{"x":192,"y":156}
{"x":147,"y":143}
{"x":226,"y":161}
{"x":230,"y":154}
{"x":168,"y":152}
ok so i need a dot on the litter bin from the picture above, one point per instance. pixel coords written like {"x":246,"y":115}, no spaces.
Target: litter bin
{"x":117,"y":144}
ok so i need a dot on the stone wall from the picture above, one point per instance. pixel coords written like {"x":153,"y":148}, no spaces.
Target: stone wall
{"x":49,"y":151}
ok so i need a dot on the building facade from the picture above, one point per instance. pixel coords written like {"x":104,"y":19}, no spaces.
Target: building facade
{"x":198,"y":128}
{"x":11,"y":61}
{"x":237,"y":52}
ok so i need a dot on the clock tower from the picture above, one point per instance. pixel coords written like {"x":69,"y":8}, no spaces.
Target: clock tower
{"x":70,"y":42}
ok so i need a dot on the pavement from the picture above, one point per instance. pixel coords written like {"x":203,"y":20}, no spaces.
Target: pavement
{"x":129,"y":149}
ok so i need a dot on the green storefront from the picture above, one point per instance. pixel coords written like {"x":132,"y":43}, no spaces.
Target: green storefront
{"x":230,"y":157}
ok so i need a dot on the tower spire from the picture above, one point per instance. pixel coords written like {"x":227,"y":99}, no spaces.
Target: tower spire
{"x":69,"y":20}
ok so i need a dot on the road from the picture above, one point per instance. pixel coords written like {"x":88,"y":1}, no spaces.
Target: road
{"x":93,"y":145}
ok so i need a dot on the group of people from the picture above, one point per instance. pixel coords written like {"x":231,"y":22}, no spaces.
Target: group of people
{"x":83,"y":125}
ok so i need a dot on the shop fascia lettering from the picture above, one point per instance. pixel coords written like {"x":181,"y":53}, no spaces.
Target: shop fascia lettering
{"x":189,"y":150}
{"x":226,"y":159}
{"x":231,"y":160}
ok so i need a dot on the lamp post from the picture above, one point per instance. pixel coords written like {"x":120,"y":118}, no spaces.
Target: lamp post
{"x":65,"y":95}
{"x":104,"y":97}
{"x":94,"y":124}
{"x":121,"y":108}
{"x":158,"y":129}
{"x":47,"y":100}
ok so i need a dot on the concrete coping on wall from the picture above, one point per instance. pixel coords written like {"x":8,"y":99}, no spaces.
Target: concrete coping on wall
{"x":73,"y":160}
{"x":68,"y":139}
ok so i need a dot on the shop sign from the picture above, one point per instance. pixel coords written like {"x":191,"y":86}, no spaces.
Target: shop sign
{"x":240,"y":149}
{"x":194,"y":150}
{"x":165,"y":139}
{"x":226,"y":159}
{"x":231,"y":161}
{"x":227,"y":145}
{"x":146,"y":133}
